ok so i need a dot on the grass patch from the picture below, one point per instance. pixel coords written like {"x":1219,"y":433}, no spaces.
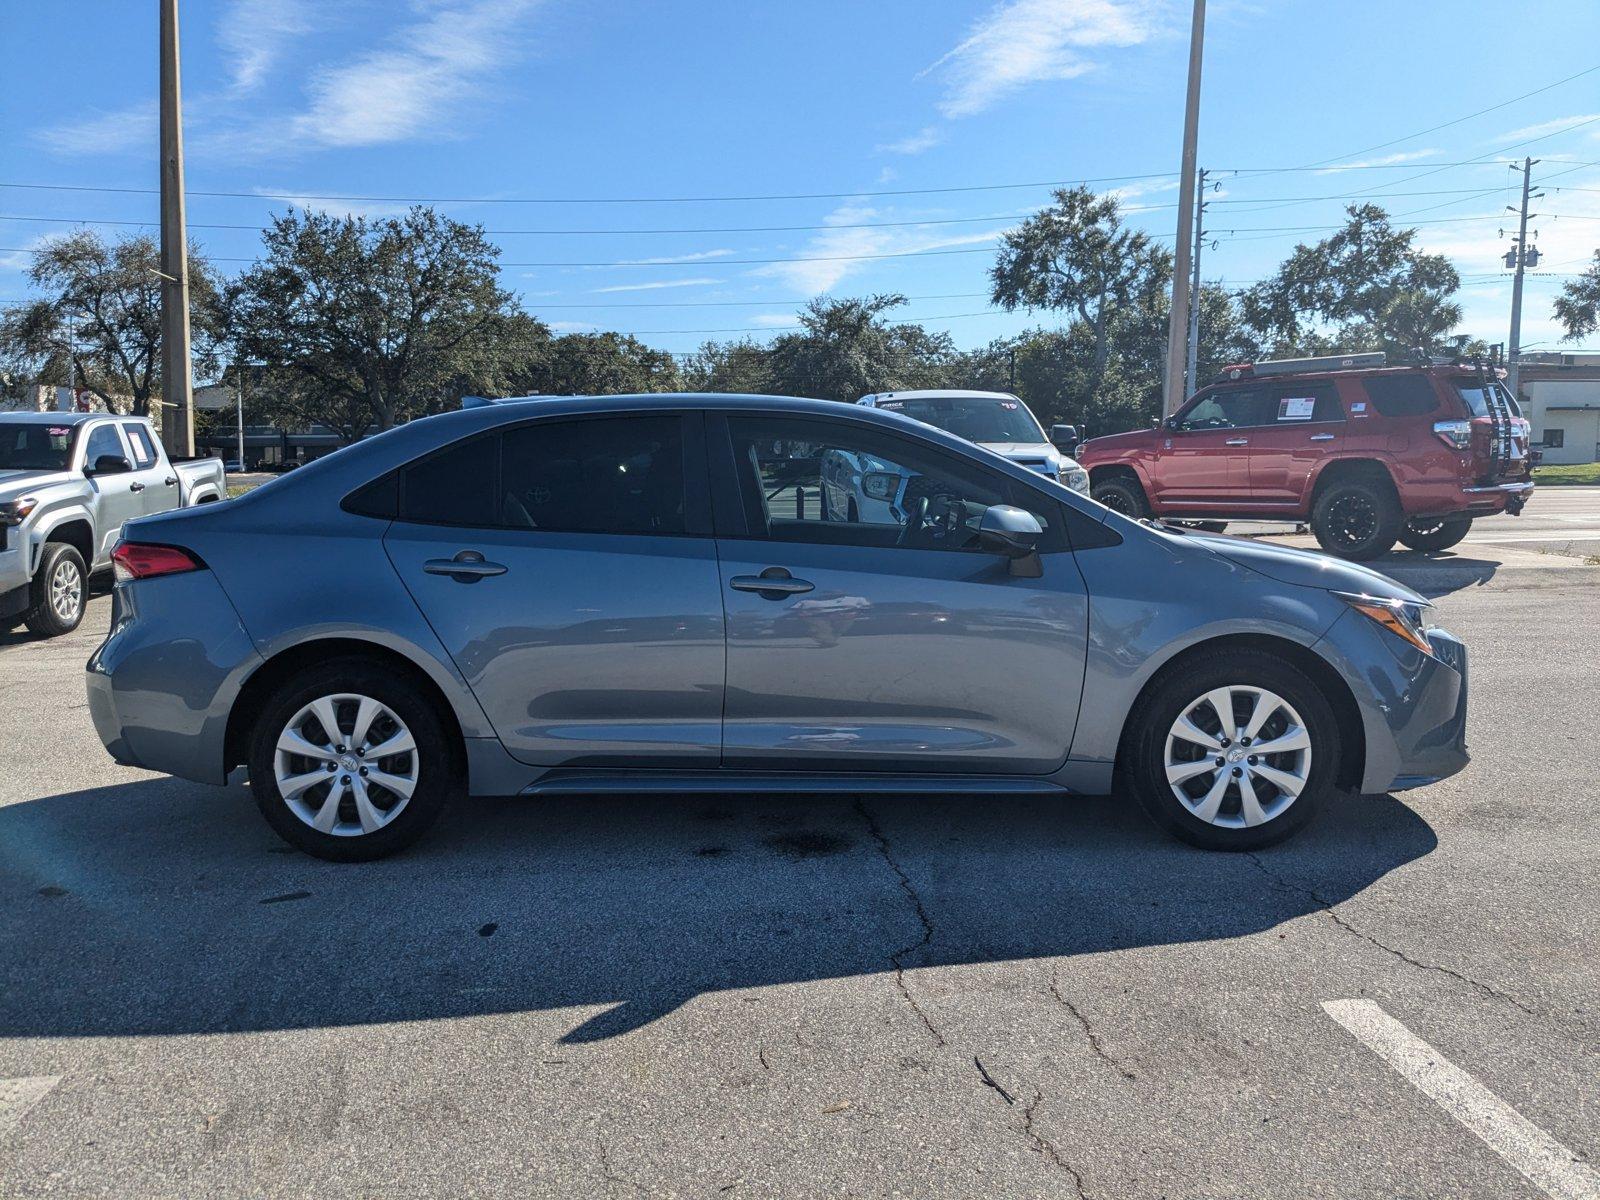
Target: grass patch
{"x":239,"y":489}
{"x":1568,"y":473}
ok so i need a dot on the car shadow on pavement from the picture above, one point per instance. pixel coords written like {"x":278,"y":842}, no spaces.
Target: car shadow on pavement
{"x":160,"y":907}
{"x":1435,"y":573}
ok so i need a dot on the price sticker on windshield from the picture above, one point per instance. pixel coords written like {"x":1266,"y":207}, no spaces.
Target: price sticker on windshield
{"x":1296,"y":408}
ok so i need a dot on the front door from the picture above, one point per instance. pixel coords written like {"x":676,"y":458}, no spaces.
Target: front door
{"x":866,"y":631}
{"x":1203,"y":453}
{"x":567,"y":566}
{"x":120,"y":496}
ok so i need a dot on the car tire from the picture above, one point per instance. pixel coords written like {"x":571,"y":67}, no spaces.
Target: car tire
{"x":1438,"y":533}
{"x":373,"y":814}
{"x":58,"y":593}
{"x":1160,"y":762}
{"x":1122,"y":495}
{"x":1357,"y":518}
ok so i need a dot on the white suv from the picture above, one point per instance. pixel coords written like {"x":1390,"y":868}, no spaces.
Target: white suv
{"x":997,"y":421}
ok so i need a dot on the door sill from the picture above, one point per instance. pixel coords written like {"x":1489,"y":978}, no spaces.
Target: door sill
{"x":579,"y":781}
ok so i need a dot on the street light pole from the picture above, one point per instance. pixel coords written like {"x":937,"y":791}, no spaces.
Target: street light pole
{"x":1178,"y":320}
{"x":240,"y":382}
{"x":177,"y":423}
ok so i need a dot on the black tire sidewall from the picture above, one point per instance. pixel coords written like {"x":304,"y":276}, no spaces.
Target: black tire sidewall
{"x":438,"y":761}
{"x":41,"y":617}
{"x":1131,"y":492}
{"x":1447,"y":535}
{"x":1145,"y":768}
{"x":1390,"y":520}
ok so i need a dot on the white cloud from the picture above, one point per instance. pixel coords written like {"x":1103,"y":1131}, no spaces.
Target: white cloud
{"x":411,"y":87}
{"x":1387,"y":160}
{"x":925,"y":138}
{"x":337,"y":208}
{"x":657,"y":284}
{"x":699,"y":256}
{"x":1528,"y":132}
{"x":22,"y":258}
{"x":774,"y":320}
{"x":256,"y":33}
{"x":1025,"y":41}
{"x":135,"y":128}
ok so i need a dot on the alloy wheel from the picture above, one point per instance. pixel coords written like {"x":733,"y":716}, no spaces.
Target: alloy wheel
{"x":1352,"y":520}
{"x":66,"y":590}
{"x":1238,"y":756}
{"x":346,"y":765}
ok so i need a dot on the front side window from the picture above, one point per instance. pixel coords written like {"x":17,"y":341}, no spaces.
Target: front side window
{"x":843,"y":484}
{"x":1226,"y":409}
{"x":103,"y":440}
{"x":975,"y":418}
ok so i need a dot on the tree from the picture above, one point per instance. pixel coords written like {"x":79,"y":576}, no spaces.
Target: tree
{"x":1077,"y":255}
{"x":360,"y":321}
{"x":739,"y":367}
{"x":845,"y":349}
{"x":1368,"y":282}
{"x":100,"y":318}
{"x":600,"y":364}
{"x":1578,"y":305}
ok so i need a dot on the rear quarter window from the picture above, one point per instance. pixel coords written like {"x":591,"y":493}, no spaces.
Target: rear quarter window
{"x":456,"y":486}
{"x":1401,"y":395}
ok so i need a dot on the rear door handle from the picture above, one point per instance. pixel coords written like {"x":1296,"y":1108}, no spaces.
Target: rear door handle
{"x":774,"y":583}
{"x":136,"y":487}
{"x":1237,"y":442}
{"x":172,"y":481}
{"x":468,"y":566}
{"x":1322,"y":437}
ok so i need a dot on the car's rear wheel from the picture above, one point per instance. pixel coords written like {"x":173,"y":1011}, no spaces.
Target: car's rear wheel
{"x":1357,"y":518}
{"x":1435,"y":533}
{"x":349,"y":763}
{"x":1233,"y":750}
{"x":1123,"y":495}
{"x":58,"y":591}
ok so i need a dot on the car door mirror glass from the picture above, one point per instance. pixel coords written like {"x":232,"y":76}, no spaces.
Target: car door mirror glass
{"x":110,"y":464}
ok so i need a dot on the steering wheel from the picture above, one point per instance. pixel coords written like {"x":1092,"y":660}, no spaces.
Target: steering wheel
{"x":915,"y":516}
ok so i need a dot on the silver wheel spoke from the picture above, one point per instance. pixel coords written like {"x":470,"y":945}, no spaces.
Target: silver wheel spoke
{"x":400,"y":743}
{"x":398,"y":784}
{"x":1265,"y":706}
{"x":1294,"y":738}
{"x":370,"y":817}
{"x":294,"y":785}
{"x":292,"y":741}
{"x":1249,"y":804}
{"x":328,"y":815}
{"x":366,"y":711}
{"x":1288,"y":784}
{"x":1190,"y":732}
{"x":1178,"y":772}
{"x":328,"y":717}
{"x":1206,"y":810}
{"x":1221,"y":701}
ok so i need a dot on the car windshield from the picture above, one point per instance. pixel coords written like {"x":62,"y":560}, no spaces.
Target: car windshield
{"x":976,"y":418}
{"x":1478,"y":402}
{"x":35,"y":446}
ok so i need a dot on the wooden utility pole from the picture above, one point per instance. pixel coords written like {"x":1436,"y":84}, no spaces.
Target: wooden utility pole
{"x":1178,"y":323}
{"x":1514,"y":346}
{"x":177,"y":394}
{"x":1190,"y":383}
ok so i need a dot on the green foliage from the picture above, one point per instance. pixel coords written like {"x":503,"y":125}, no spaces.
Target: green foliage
{"x":1368,"y":282}
{"x":1577,"y":308}
{"x":99,"y":318}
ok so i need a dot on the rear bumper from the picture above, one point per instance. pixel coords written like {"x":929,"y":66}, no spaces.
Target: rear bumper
{"x":1413,"y":705}
{"x":1477,"y":500}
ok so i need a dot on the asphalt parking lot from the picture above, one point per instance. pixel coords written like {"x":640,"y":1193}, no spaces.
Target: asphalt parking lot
{"x":749,"y":996}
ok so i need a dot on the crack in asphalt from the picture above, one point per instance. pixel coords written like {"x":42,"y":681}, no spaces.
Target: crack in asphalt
{"x":897,"y":957}
{"x":609,"y":1175}
{"x":988,"y":1081}
{"x":1338,"y":919}
{"x":1043,"y":1145}
{"x":1088,"y":1031}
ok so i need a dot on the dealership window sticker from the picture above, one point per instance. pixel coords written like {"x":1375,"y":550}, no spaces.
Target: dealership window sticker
{"x":1296,"y":408}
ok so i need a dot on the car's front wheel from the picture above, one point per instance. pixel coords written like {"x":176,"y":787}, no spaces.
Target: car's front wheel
{"x":1233,"y":750}
{"x":1123,"y":495}
{"x":58,"y":591}
{"x":349,"y":763}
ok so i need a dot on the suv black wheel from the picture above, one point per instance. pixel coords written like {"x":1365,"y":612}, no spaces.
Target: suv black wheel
{"x":1435,"y":533}
{"x":58,"y":592}
{"x":1357,"y":518}
{"x":1123,"y":495}
{"x":1232,"y":750}
{"x":348,"y":762}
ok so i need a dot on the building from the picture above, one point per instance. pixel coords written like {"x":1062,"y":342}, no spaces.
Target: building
{"x":1560,"y":395}
{"x":264,"y":445}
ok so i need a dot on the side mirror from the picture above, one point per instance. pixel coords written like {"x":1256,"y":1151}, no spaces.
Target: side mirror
{"x":110,"y":464}
{"x":1064,"y":438}
{"x":1008,"y":531}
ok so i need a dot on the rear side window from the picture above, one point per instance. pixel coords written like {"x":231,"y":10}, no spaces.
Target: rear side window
{"x":453,"y":487}
{"x":1300,"y":403}
{"x":601,"y":476}
{"x":1401,"y":395}
{"x":144,"y":451}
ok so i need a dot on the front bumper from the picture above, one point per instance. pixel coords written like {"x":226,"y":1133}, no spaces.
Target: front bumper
{"x":1413,"y":705}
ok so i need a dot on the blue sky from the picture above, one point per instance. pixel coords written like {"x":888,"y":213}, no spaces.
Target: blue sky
{"x":490,"y":103}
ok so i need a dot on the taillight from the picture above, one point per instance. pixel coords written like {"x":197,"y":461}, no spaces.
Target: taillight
{"x":1455,"y":434}
{"x":142,"y":560}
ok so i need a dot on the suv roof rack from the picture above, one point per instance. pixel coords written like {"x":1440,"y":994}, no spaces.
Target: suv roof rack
{"x":1295,"y":366}
{"x":490,"y":401}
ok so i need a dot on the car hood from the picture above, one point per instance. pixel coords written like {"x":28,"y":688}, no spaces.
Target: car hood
{"x":1030,"y":452}
{"x":1116,"y":443}
{"x":1303,"y":568}
{"x":16,"y":484}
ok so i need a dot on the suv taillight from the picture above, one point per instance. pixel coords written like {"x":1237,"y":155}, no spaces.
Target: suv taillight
{"x":1455,"y":434}
{"x":143,"y":560}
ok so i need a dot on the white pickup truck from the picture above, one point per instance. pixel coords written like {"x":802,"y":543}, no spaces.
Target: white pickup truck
{"x":68,"y":483}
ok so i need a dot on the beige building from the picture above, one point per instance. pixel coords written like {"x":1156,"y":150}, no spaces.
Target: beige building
{"x":1560,"y":396}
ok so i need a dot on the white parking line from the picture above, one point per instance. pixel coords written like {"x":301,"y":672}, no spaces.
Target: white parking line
{"x":17,"y":1096}
{"x":1553,"y":1168}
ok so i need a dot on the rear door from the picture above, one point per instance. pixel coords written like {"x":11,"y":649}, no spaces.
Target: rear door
{"x":149,"y":472}
{"x":567,"y":566}
{"x":1201,"y":459}
{"x":1301,"y":424}
{"x":888,"y":641}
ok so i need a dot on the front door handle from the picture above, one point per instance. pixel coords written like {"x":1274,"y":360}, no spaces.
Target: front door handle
{"x":1237,"y":442}
{"x":468,"y":566}
{"x":136,"y":487}
{"x":1322,"y":437}
{"x":774,"y":583}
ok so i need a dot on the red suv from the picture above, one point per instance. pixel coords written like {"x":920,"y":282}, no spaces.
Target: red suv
{"x":1367,"y":453}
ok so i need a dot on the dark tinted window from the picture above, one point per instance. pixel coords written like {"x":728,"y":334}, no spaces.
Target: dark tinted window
{"x":144,"y":453}
{"x":26,"y":446}
{"x":1300,"y":403}
{"x":621,"y":475}
{"x":453,"y":487}
{"x":1225,"y":409}
{"x":1401,"y":395}
{"x":380,"y":498}
{"x":102,"y":440}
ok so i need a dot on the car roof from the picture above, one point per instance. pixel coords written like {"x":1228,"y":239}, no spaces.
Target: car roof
{"x":936,"y":394}
{"x":54,"y":418}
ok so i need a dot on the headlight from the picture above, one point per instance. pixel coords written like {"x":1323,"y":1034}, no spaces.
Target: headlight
{"x":1078,"y":480}
{"x":880,"y":485}
{"x":15,"y":512}
{"x":1403,"y":618}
